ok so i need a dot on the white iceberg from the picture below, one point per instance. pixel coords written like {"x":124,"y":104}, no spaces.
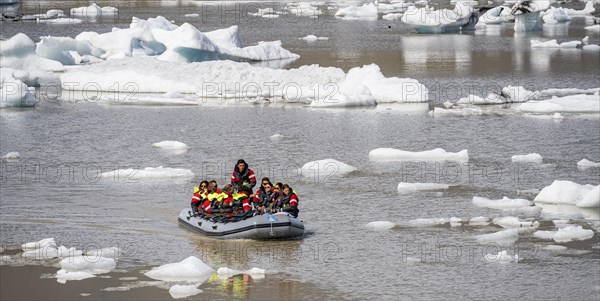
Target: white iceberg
{"x":171,"y":145}
{"x":519,"y":94}
{"x":504,"y":203}
{"x":585,"y":164}
{"x":392,"y":16}
{"x":190,"y":269}
{"x":188,"y":44}
{"x":586,"y":11}
{"x":496,"y":15}
{"x":92,"y":265}
{"x":320,"y":170}
{"x":580,"y":103}
{"x":514,"y":222}
{"x":312,"y":38}
{"x":491,"y":99}
{"x":554,"y":44}
{"x":556,"y":15}
{"x":93,"y":11}
{"x":407,"y":188}
{"x":593,"y":27}
{"x":534,"y":158}
{"x":479,"y":221}
{"x":426,"y":222}
{"x":11,"y":156}
{"x":592,"y":47}
{"x":44,"y":243}
{"x":527,"y":14}
{"x":305,"y":9}
{"x":13,"y":92}
{"x":63,"y":276}
{"x":179,"y":291}
{"x":504,"y":237}
{"x":502,"y":256}
{"x":18,"y":52}
{"x":365,"y":11}
{"x":565,"y":234}
{"x":60,"y":21}
{"x":66,"y":50}
{"x":424,"y":20}
{"x":380,"y":225}
{"x":438,"y":154}
{"x":567,"y":192}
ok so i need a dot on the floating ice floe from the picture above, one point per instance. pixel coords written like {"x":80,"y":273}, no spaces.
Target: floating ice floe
{"x":567,"y":192}
{"x":586,"y":11}
{"x":591,"y":47}
{"x":554,"y":44}
{"x":194,"y":15}
{"x":63,"y":276}
{"x":190,"y":269}
{"x":496,"y":15}
{"x":527,"y":14}
{"x":504,"y":203}
{"x":93,"y":11}
{"x":519,"y":94}
{"x":312,"y":38}
{"x":66,"y":50}
{"x":255,"y":273}
{"x":188,"y":44}
{"x":44,"y":243}
{"x":554,"y":248}
{"x":171,"y":145}
{"x":424,"y":20}
{"x":567,"y":92}
{"x":504,"y":237}
{"x":534,"y":158}
{"x":365,"y":11}
{"x":491,"y":99}
{"x":276,"y":137}
{"x":50,"y":14}
{"x":566,"y":234}
{"x":501,"y":257}
{"x":92,"y":265}
{"x":323,"y":169}
{"x":407,"y":188}
{"x":305,"y":9}
{"x":110,"y":252}
{"x":149,"y":173}
{"x":569,"y":104}
{"x":438,"y":154}
{"x":585,"y":164}
{"x":556,"y":15}
{"x":593,"y":27}
{"x":479,"y":221}
{"x":514,"y":222}
{"x":179,"y":291}
{"x":18,"y":53}
{"x":380,"y":225}
{"x":426,"y":222}
{"x":11,"y":156}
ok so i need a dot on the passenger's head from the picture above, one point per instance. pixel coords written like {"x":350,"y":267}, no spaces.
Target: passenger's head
{"x":228,"y":189}
{"x":241,"y":165}
{"x":245,"y":189}
{"x":203,"y":185}
{"x":212,"y":185}
{"x":278,"y":187}
{"x":265,"y":181}
{"x":286,"y":189}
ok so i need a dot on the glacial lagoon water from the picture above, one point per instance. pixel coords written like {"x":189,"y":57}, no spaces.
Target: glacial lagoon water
{"x":54,"y":189}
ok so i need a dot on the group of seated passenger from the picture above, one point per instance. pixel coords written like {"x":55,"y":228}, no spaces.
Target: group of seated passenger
{"x":238,"y":197}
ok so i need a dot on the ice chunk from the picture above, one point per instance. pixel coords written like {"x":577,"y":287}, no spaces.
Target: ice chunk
{"x":392,"y":16}
{"x":504,"y":237}
{"x":46,"y":242}
{"x":276,"y":137}
{"x":569,"y":104}
{"x":59,"y":48}
{"x":514,"y":222}
{"x":407,"y":188}
{"x":11,"y":156}
{"x":380,"y":225}
{"x":13,"y":92}
{"x":593,"y":27}
{"x":93,"y":265}
{"x":111,"y":252}
{"x":556,"y":15}
{"x":168,"y":144}
{"x":18,"y":52}
{"x":365,"y":11}
{"x":93,"y":11}
{"x":492,"y":98}
{"x":179,"y":291}
{"x":189,"y":269}
{"x":554,"y":248}
{"x":566,"y":234}
{"x":424,"y":20}
{"x":426,"y":222}
{"x":312,"y":38}
{"x":322,"y":169}
{"x":194,"y":15}
{"x":585,"y":164}
{"x":554,"y":44}
{"x":527,"y":15}
{"x":60,"y":21}
{"x":306,"y":9}
{"x":587,"y":10}
{"x":479,"y":221}
{"x":502,"y":256}
{"x":591,"y":48}
{"x":438,"y":154}
{"x":567,"y":192}
{"x":534,"y":158}
{"x":117,"y":44}
{"x":519,"y":94}
{"x":504,"y":203}
{"x":496,"y":15}
{"x":63,"y":276}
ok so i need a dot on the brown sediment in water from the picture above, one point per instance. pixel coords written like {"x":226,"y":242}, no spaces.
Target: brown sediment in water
{"x":35,"y":283}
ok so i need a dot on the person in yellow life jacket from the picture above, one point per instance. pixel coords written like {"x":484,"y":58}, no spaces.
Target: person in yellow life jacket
{"x":212,"y":198}
{"x":199,"y":194}
{"x":241,"y":200}
{"x":226,"y":202}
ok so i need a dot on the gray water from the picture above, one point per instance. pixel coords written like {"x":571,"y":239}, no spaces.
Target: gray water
{"x":54,"y":189}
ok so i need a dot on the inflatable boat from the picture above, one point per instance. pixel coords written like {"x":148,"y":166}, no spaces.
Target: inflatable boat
{"x":280,"y":225}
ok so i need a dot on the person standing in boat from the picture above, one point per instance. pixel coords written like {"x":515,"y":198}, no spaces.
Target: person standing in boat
{"x":242,"y":176}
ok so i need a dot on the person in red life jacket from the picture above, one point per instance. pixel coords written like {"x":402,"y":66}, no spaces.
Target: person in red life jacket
{"x":226,"y":203}
{"x":288,"y":202}
{"x":210,"y":200}
{"x":264,"y":196}
{"x":199,"y":194}
{"x":242,"y":176}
